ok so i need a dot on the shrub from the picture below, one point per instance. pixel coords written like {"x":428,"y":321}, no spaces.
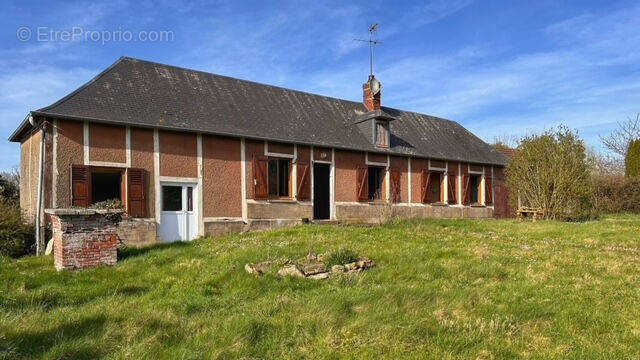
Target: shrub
{"x":551,"y":171}
{"x":341,"y":257}
{"x":107,"y":204}
{"x":616,"y":194}
{"x":9,"y":191}
{"x":632,"y":159}
{"x":16,"y":237}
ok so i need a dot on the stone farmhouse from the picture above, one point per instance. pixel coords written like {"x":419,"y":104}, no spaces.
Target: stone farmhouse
{"x":189,"y":153}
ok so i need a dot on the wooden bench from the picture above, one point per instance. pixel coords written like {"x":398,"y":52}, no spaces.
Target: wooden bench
{"x":534,"y":213}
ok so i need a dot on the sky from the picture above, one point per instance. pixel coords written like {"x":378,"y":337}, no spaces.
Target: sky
{"x":500,"y":68}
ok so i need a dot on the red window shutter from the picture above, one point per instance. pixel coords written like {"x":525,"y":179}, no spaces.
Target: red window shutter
{"x":302,"y":173}
{"x":136,"y":199}
{"x":395,"y":185}
{"x":466,"y":189}
{"x":80,"y":185}
{"x":260,"y":189}
{"x":426,"y":178}
{"x":452,"y":187}
{"x":488,"y":185}
{"x":362,"y":185}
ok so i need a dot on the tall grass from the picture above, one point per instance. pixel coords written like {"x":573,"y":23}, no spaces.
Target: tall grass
{"x":442,"y":289}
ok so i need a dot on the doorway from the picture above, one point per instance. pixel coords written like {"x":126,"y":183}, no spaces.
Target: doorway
{"x":321,"y":191}
{"x":179,"y":216}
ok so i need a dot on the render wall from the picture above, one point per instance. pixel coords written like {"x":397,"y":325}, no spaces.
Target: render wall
{"x":402,"y":164}
{"x":222,"y":191}
{"x":142,"y":157}
{"x":107,"y":143}
{"x":346,"y":163}
{"x":70,"y":151}
{"x":29,"y":169}
{"x":178,"y":154}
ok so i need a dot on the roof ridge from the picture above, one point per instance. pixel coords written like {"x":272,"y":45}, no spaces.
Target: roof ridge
{"x":244,"y":80}
{"x":279,"y":87}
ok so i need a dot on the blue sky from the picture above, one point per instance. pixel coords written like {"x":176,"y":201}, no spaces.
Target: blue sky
{"x":500,"y":68}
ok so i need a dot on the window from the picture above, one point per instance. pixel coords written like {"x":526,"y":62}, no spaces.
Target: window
{"x":278,"y":177}
{"x":375,"y":183}
{"x":433,"y":187}
{"x":90,"y":185}
{"x":106,"y":185}
{"x":381,"y":132}
{"x":474,"y":181}
{"x":171,"y":198}
{"x":434,"y":191}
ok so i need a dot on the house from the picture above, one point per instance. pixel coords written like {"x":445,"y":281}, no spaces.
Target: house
{"x":191,"y":153}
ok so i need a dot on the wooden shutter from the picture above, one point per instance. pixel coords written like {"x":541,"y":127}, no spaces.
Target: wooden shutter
{"x":395,"y":185}
{"x":466,"y":189}
{"x":452,"y":187}
{"x":362,"y":185}
{"x":488,"y":186}
{"x":80,"y":185}
{"x":136,"y":199}
{"x":426,"y":178}
{"x":260,"y":189}
{"x":302,"y":173}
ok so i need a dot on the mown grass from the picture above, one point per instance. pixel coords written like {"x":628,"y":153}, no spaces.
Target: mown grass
{"x":442,"y":289}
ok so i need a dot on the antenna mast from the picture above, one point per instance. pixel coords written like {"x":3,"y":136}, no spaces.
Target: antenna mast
{"x":372,"y":30}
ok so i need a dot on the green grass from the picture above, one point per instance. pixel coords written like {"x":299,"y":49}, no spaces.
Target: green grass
{"x":442,"y":289}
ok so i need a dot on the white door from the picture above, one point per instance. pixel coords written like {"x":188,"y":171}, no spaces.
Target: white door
{"x":179,"y":216}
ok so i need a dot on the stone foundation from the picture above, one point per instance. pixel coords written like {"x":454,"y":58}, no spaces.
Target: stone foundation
{"x":380,"y":213}
{"x":231,"y":226}
{"x":84,"y":238}
{"x":137,"y":232}
{"x":279,"y":210}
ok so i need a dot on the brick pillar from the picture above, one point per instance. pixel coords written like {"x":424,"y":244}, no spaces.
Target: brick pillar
{"x":84,"y":238}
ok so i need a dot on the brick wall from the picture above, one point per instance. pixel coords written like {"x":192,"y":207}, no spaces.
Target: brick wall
{"x":83,"y":238}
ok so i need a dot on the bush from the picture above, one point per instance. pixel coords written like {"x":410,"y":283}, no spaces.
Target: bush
{"x":16,"y":237}
{"x":616,"y":194}
{"x":550,"y":171}
{"x":107,"y":204}
{"x":9,"y":191}
{"x":632,"y":159}
{"x":341,"y":257}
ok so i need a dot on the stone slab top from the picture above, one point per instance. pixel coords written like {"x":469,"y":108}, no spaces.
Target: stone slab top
{"x":82,"y":211}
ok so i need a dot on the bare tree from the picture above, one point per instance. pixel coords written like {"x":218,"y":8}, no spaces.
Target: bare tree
{"x":618,"y":141}
{"x":12,"y":175}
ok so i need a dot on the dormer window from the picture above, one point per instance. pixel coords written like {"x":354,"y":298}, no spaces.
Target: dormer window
{"x":381,"y":134}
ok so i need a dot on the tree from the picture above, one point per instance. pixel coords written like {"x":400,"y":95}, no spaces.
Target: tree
{"x":618,"y":141}
{"x":9,"y":191}
{"x":551,"y":171}
{"x":632,"y":160}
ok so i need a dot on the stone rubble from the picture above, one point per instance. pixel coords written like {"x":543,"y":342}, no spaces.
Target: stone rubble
{"x":311,"y":267}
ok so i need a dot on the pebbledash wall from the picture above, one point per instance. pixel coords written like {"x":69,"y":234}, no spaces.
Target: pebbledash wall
{"x":222,"y":169}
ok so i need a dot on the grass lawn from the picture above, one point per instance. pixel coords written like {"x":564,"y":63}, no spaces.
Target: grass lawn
{"x":442,"y":289}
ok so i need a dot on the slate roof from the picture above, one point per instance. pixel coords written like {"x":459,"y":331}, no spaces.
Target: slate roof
{"x":148,"y":94}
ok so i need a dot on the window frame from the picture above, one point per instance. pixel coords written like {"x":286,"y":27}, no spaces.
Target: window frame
{"x":376,"y":139}
{"x":134,"y":203}
{"x":478,"y":188}
{"x":278,"y":195}
{"x":382,"y":170}
{"x":441,"y":182}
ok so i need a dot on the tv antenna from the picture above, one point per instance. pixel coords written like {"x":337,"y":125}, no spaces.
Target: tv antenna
{"x":372,"y":42}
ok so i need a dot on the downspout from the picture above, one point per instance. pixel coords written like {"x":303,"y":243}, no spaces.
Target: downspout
{"x":38,"y":219}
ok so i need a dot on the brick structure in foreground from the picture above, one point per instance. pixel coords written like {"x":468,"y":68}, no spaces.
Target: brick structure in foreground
{"x":83,"y":238}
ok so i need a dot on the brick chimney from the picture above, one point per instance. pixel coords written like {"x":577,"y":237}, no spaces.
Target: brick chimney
{"x":371,"y":101}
